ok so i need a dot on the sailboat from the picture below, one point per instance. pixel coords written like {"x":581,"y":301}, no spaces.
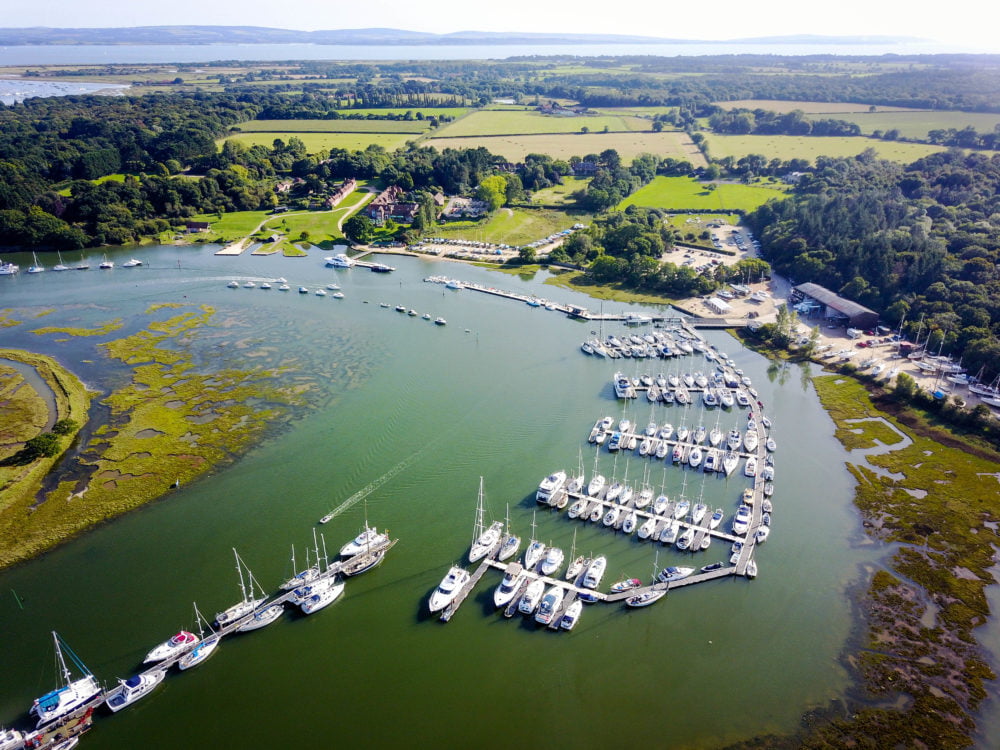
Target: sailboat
{"x":106,"y":264}
{"x":483,"y":539}
{"x":650,"y":595}
{"x":35,"y":266}
{"x":311,"y":572}
{"x":510,"y":542}
{"x":205,"y":648}
{"x":535,"y":548}
{"x":364,"y":541}
{"x":60,"y":266}
{"x":247,"y":604}
{"x":576,"y":563}
{"x":75,"y":694}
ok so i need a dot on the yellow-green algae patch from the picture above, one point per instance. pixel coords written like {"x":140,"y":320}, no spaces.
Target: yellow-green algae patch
{"x":920,"y":615}
{"x":6,"y":321}
{"x":152,"y":442}
{"x":20,"y":483}
{"x":102,"y":330}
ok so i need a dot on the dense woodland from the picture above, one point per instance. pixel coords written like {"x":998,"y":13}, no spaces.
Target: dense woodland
{"x":920,"y":243}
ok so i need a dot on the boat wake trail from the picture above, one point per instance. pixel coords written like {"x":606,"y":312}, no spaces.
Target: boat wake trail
{"x":371,"y":486}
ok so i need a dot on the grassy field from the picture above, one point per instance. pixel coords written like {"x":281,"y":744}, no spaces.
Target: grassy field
{"x":508,"y":122}
{"x":231,"y":226}
{"x":560,"y":193}
{"x":699,"y":222}
{"x":517,"y":226}
{"x":810,"y":108}
{"x":316,"y":142}
{"x":916,"y":124}
{"x":687,"y":193}
{"x":563,"y":146}
{"x":807,"y":147}
{"x":335,"y":126}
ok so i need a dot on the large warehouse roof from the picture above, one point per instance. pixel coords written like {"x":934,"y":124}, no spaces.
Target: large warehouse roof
{"x":835,"y":301}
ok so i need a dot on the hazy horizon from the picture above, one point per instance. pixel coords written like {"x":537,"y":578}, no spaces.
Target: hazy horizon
{"x":973,"y":29}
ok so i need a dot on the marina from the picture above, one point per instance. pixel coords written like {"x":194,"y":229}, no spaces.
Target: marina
{"x":622,"y":510}
{"x":367,"y":353}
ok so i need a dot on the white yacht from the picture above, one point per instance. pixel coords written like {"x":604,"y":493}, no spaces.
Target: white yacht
{"x":595,"y":572}
{"x":611,"y":517}
{"x":699,"y":512}
{"x":132,"y":689}
{"x":762,"y":533}
{"x":716,"y":519}
{"x":323,"y":598}
{"x":448,"y":589}
{"x":73,"y":695}
{"x":483,"y":539}
{"x":246,"y":605}
{"x":672,"y":573}
{"x":551,"y":602}
{"x":550,"y":484}
{"x":750,"y":440}
{"x":132,"y":263}
{"x":647,"y":528}
{"x":751,"y":468}
{"x":340,"y":260}
{"x":681,"y":509}
{"x":741,"y":522}
{"x":8,"y":269}
{"x":35,"y":267}
{"x":262,"y":619}
{"x":631,"y":519}
{"x":645,"y":598}
{"x":106,"y":265}
{"x":176,"y":644}
{"x":508,"y":587}
{"x":11,"y":739}
{"x":729,"y":462}
{"x":695,"y":456}
{"x":715,"y":437}
{"x":200,"y":653}
{"x":552,"y":561}
{"x":596,"y":484}
{"x":660,"y":504}
{"x":669,"y":533}
{"x":685,"y":539}
{"x":532,"y":595}
{"x":572,"y":615}
{"x":735,"y":440}
{"x":363,"y":542}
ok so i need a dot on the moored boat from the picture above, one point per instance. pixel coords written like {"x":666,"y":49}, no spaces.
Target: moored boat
{"x":73,"y":695}
{"x":176,"y":644}
{"x":531,"y":597}
{"x":507,"y":588}
{"x":645,"y":598}
{"x":550,"y":604}
{"x":129,"y":691}
{"x":448,"y":589}
{"x":595,"y":572}
{"x":571,"y":616}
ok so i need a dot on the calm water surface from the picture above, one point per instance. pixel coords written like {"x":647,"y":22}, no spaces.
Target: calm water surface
{"x":510,"y":399}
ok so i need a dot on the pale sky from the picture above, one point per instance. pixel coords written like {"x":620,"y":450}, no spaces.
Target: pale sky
{"x":974,"y":24}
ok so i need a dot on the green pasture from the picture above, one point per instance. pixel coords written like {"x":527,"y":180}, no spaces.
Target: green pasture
{"x":810,"y":108}
{"x":688,"y":193}
{"x":335,"y":126}
{"x":316,"y":142}
{"x":809,"y":147}
{"x":562,"y":146}
{"x":917,"y":124}
{"x":515,"y":122}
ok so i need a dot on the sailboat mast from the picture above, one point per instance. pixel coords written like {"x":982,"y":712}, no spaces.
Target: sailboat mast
{"x":326,"y":560}
{"x":62,"y":662}
{"x":478,"y":530}
{"x":239,"y":571}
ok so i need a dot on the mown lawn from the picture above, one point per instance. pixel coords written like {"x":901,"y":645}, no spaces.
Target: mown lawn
{"x":560,"y":193}
{"x":808,"y":147}
{"x":685,"y":193}
{"x":230,"y":226}
{"x":517,"y":226}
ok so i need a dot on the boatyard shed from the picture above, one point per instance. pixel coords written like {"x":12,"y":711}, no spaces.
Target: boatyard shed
{"x":717,"y":305}
{"x":837,"y":308}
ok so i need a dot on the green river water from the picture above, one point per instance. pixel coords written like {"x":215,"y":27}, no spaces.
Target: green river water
{"x":501,"y":392}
